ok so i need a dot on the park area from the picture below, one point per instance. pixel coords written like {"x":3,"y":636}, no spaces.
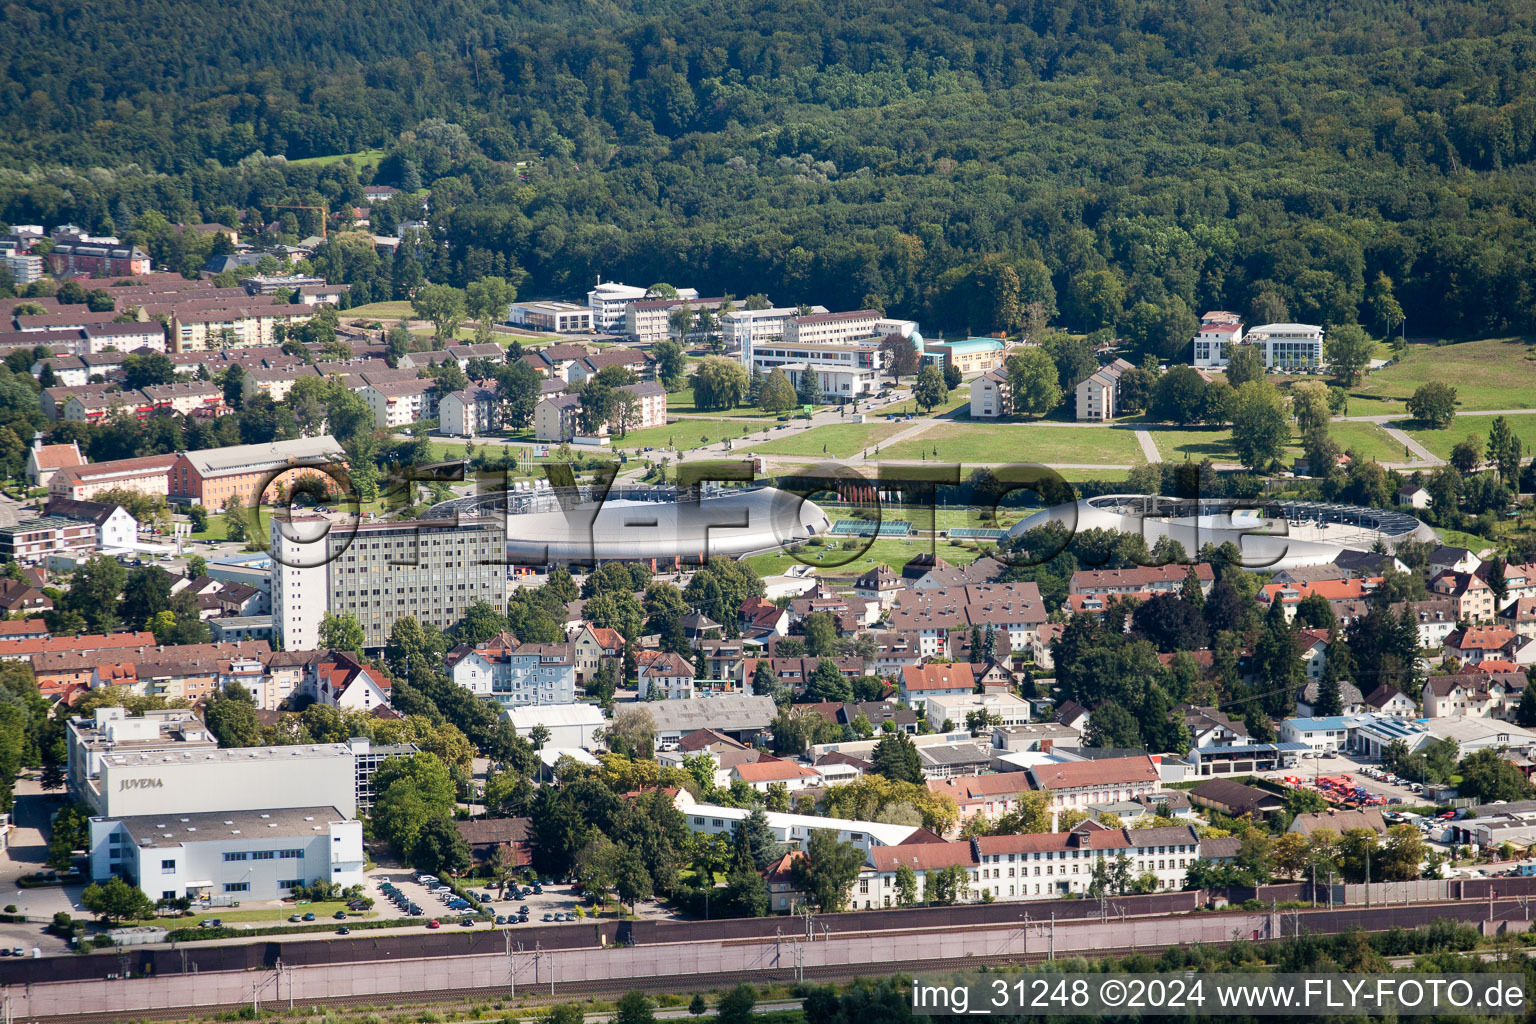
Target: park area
{"x":1000,"y":443}
{"x":837,"y":440}
{"x":1495,"y":373}
{"x":1440,"y":442}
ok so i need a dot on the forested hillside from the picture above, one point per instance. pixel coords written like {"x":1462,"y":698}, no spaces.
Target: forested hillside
{"x":1120,"y":162}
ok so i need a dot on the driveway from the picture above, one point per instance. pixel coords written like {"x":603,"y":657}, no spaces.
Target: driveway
{"x":26,"y":852}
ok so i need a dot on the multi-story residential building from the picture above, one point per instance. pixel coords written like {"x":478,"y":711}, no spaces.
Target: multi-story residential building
{"x":513,"y":674}
{"x":666,"y":673}
{"x":338,"y":680}
{"x":192,"y":398}
{"x":475,"y":410}
{"x":70,"y":258}
{"x":208,"y":330}
{"x":220,"y":477}
{"x":36,"y":540}
{"x":592,"y":646}
{"x":92,"y":406}
{"x":633,"y":360}
{"x":1474,"y":694}
{"x":1472,"y":645}
{"x":552,"y":317}
{"x":190,"y":672}
{"x":149,"y":475}
{"x":1219,"y":331}
{"x":1098,"y":395}
{"x":1472,"y":594}
{"x":1292,"y":594}
{"x":1015,"y":609}
{"x":126,"y":337}
{"x":402,"y":403}
{"x":1436,"y":618}
{"x":430,"y":570}
{"x":557,"y":418}
{"x":24,"y":267}
{"x":989,"y":395}
{"x":1143,"y":580}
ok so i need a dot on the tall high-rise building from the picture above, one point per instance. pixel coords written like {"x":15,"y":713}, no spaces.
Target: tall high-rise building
{"x":430,"y":570}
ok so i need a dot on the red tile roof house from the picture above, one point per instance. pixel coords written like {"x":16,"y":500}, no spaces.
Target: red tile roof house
{"x":1473,"y":644}
{"x":919,"y":681}
{"x":766,"y":772}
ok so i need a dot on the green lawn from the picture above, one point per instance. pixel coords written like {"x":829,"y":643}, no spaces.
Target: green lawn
{"x":847,"y":557}
{"x":1178,"y":444}
{"x":379,"y":311}
{"x":680,"y":403}
{"x":838,"y":440}
{"x":1441,"y":441}
{"x":1020,"y":442}
{"x":269,"y":916}
{"x":363,"y":158}
{"x":1366,"y":440}
{"x":961,"y":396}
{"x":1495,"y":373}
{"x":689,"y":433}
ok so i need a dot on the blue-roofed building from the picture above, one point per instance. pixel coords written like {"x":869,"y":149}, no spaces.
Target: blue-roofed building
{"x":1370,"y":734}
{"x":1324,"y":735}
{"x":1244,"y":758}
{"x":968,"y":355}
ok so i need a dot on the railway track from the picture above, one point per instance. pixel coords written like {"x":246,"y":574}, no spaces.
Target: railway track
{"x":533,"y":996}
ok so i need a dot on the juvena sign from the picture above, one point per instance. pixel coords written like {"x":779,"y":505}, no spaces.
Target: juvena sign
{"x":140,"y":784}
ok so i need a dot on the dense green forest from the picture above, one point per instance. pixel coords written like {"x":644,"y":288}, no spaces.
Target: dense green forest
{"x":1119,"y":162}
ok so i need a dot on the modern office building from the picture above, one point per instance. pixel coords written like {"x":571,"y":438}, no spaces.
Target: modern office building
{"x":431,"y":570}
{"x":229,"y":856}
{"x":608,"y":301}
{"x":553,"y":317}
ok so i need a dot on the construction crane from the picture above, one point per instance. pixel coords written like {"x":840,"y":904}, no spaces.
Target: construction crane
{"x":324,"y":215}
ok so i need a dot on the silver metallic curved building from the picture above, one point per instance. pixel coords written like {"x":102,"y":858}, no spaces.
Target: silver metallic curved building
{"x":638,"y":523}
{"x":1270,"y":534}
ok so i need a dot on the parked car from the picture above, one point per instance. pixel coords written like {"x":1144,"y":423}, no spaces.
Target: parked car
{"x":343,"y":930}
{"x":295,"y":918}
{"x":549,"y":917}
{"x":340,"y":915}
{"x":434,"y":923}
{"x":309,"y":917}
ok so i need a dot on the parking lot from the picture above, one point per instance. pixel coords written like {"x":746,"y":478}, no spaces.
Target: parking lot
{"x":555,"y":899}
{"x":1308,"y":769}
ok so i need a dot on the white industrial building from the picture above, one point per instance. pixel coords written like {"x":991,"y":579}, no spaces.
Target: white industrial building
{"x":741,"y":327}
{"x":715,"y":819}
{"x":570,"y":726}
{"x":227,"y":856}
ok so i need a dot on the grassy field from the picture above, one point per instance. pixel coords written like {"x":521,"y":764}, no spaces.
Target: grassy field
{"x":961,"y":396}
{"x":1195,"y":443}
{"x":379,"y":311}
{"x":1366,"y":440}
{"x":847,"y":557}
{"x":362,"y":158}
{"x":1496,"y":373}
{"x":689,"y":433}
{"x":1441,"y":441}
{"x":680,"y":403}
{"x":1021,"y":442}
{"x":268,"y":916}
{"x":839,"y":440}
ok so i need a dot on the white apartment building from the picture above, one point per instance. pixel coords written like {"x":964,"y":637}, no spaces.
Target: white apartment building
{"x":24,"y":267}
{"x":198,"y":330}
{"x":512,"y":674}
{"x":989,"y":395}
{"x":475,"y":410}
{"x":129,"y":337}
{"x":229,"y":856}
{"x":552,"y":317}
{"x":402,"y":403}
{"x":952,"y":708}
{"x":1289,"y":346}
{"x":431,"y":570}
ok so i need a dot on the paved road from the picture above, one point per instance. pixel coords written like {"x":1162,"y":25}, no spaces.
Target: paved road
{"x":1390,"y":416}
{"x":26,"y":851}
{"x":1427,"y":458}
{"x":1149,"y":447}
